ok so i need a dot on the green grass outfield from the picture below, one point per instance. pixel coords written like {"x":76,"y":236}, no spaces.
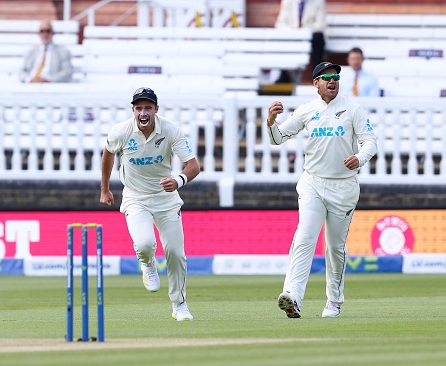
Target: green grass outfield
{"x":387,"y":319}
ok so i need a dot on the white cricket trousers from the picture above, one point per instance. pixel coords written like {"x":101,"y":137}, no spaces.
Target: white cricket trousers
{"x":321,"y":200}
{"x":163,"y":210}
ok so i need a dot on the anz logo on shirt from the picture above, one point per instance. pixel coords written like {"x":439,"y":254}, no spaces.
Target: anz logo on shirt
{"x":316,"y":117}
{"x":148,"y":160}
{"x":327,"y":131}
{"x":132,"y":145}
{"x":369,"y":125}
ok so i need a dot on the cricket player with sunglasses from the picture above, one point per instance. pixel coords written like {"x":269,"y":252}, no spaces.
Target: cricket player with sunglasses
{"x":340,"y":141}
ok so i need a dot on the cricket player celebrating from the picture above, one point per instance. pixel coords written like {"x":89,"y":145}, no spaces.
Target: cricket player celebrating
{"x":340,"y":140}
{"x":145,"y":143}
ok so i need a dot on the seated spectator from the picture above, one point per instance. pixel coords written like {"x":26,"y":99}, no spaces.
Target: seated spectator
{"x":47,"y":62}
{"x":356,"y":81}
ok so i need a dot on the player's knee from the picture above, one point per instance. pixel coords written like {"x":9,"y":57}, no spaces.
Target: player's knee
{"x":175,"y":253}
{"x":305,"y":240}
{"x":337,"y":248}
{"x":145,"y":249}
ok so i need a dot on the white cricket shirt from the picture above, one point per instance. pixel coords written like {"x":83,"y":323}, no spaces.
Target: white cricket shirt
{"x":335,"y":130}
{"x":143,"y":162}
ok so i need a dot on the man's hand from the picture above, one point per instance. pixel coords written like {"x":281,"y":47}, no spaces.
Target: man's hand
{"x":107,"y":198}
{"x":38,"y":80}
{"x":274,"y":109}
{"x":169,"y":184}
{"x":352,"y":162}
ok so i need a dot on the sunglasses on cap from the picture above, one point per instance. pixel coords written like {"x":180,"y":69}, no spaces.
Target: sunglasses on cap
{"x":328,"y":77}
{"x":144,"y":90}
{"x":46,"y":31}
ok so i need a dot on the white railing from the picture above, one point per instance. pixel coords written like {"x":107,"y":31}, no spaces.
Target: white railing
{"x":61,"y":137}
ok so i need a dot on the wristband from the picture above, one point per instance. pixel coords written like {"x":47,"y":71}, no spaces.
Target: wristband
{"x":181,"y":180}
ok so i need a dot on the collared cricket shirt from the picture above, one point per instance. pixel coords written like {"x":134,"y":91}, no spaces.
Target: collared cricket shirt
{"x":335,"y":130}
{"x":143,"y":162}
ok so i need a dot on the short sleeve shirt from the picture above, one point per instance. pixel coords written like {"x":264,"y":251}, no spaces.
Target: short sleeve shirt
{"x":143,"y":162}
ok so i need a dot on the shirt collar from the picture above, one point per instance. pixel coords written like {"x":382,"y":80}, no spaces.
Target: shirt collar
{"x":332,"y":102}
{"x":48,"y":48}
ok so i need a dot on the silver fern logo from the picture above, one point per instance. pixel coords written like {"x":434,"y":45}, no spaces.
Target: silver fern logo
{"x":159,"y":141}
{"x":339,"y":114}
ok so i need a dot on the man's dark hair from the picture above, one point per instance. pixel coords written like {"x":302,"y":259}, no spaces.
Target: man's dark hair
{"x":356,"y":50}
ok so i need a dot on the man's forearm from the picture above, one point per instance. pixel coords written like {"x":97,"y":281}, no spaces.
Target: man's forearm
{"x":108,"y":160}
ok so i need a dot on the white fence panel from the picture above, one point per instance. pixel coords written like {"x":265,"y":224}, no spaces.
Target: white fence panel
{"x":61,"y":136}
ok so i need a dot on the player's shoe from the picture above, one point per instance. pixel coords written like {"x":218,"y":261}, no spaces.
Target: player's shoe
{"x":181,"y":312}
{"x":289,"y":305}
{"x":150,"y":276}
{"x":331,"y":310}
